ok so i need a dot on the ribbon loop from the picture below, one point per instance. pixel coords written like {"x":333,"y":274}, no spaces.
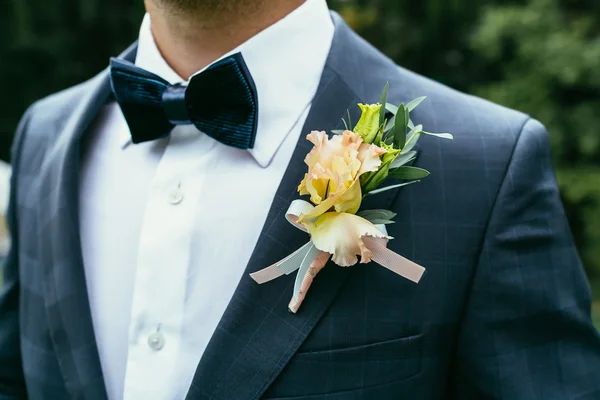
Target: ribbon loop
{"x":308,"y":260}
{"x":283,"y":267}
{"x":297,"y":208}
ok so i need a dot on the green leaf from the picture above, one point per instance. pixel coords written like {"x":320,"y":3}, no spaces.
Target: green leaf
{"x":416,"y":129}
{"x":413,"y":138}
{"x":399,"y":131}
{"x":381,"y":222}
{"x":349,"y":119}
{"x":389,"y":125}
{"x":379,"y":136}
{"x":403,"y":159}
{"x":406,"y":172}
{"x":411,"y":125}
{"x":391,"y":187}
{"x":415,"y":103}
{"x":383,"y":100}
{"x":383,"y":217}
{"x":327,"y":189}
{"x":345,"y":124}
{"x":370,"y":215}
{"x":389,"y":138}
{"x":376,"y":178}
{"x":440,"y":135}
{"x":338,"y":131}
{"x":391,"y":108}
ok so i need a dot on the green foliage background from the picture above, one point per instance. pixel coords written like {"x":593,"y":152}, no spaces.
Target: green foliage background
{"x":539,"y":56}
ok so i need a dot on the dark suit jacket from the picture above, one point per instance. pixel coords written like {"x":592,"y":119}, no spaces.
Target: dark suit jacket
{"x":503,"y":312}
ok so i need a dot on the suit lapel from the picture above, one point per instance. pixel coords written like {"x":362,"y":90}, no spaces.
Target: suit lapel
{"x":66,"y":297}
{"x":257,"y":335}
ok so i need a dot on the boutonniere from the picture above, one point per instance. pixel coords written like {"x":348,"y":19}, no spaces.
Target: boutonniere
{"x":342,"y":170}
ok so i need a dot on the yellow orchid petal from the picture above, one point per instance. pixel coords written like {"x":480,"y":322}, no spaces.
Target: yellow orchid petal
{"x":341,"y":234}
{"x":350,"y":200}
{"x":334,"y":169}
{"x":317,"y":189}
{"x":324,"y":149}
{"x":340,"y":169}
{"x":302,"y":187}
{"x":370,"y":158}
{"x":351,"y":140}
{"x":319,"y":140}
{"x":343,"y":201}
{"x":322,"y":208}
{"x":316,"y":183}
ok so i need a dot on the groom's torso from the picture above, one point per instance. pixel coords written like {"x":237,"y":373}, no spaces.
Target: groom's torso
{"x":361,"y":333}
{"x":189,"y":210}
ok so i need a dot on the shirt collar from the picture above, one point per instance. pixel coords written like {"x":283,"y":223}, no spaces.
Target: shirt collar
{"x":286,"y":61}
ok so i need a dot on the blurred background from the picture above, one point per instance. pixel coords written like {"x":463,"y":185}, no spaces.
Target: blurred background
{"x":539,"y":56}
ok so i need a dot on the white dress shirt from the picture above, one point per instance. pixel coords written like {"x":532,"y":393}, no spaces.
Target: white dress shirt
{"x":168,"y":227}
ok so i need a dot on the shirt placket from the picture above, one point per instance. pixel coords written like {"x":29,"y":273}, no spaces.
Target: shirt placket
{"x":163,"y":262}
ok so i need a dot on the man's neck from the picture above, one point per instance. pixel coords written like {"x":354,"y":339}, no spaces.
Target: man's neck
{"x":189,"y":41}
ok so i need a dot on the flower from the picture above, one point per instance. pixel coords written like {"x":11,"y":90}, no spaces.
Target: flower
{"x":340,"y":171}
{"x":334,"y":168}
{"x":341,"y":234}
{"x":368,"y":126}
{"x":333,"y":183}
{"x":370,"y":181}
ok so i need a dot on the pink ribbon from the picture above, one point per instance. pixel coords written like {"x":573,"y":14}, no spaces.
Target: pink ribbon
{"x":310,"y":261}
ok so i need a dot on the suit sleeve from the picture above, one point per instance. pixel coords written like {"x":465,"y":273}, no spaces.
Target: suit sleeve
{"x":12,"y":383}
{"x":526,"y":330}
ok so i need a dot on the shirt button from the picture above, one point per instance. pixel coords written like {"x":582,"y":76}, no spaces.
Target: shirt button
{"x":176,"y":196}
{"x":156,"y":341}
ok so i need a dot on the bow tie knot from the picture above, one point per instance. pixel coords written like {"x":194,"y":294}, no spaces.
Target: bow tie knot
{"x":174,"y":105}
{"x":220,"y":101}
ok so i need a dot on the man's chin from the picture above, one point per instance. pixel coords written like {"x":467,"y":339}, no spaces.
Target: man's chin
{"x":207,"y":7}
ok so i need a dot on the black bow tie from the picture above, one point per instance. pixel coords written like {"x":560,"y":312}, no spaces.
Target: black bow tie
{"x":220,"y":101}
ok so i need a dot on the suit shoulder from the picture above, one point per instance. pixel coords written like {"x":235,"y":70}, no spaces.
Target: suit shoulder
{"x":461,"y":106}
{"x":43,"y":121}
{"x":55,"y":108}
{"x":365,"y":70}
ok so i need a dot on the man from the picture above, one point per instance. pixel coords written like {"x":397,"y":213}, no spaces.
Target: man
{"x":134,"y":235}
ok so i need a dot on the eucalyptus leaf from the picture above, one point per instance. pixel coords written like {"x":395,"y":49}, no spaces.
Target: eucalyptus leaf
{"x":381,"y":222}
{"x":369,"y":215}
{"x":407,"y":172}
{"x":391,"y":108}
{"x":345,"y":124}
{"x":349,"y":118}
{"x":415,"y":103}
{"x":416,"y":129}
{"x":403,"y":159}
{"x":383,"y":100}
{"x":410,"y":144}
{"x":413,"y":135}
{"x":338,"y":131}
{"x":389,"y":125}
{"x":440,"y":135}
{"x":411,"y":124}
{"x":385,"y":189}
{"x":383,"y":217}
